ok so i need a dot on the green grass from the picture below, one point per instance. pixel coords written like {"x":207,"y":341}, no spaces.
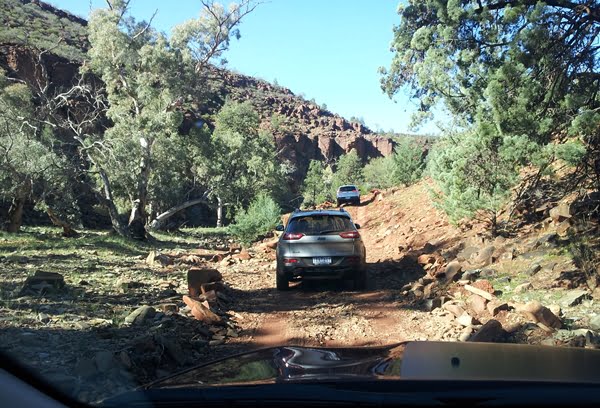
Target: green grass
{"x":102,"y":259}
{"x":35,"y":240}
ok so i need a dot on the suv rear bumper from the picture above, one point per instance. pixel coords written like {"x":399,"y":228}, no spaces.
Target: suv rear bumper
{"x":319,"y":272}
{"x":352,"y":200}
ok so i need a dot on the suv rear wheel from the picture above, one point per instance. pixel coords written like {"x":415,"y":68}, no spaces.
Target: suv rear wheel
{"x":360,"y":279}
{"x":281,"y":281}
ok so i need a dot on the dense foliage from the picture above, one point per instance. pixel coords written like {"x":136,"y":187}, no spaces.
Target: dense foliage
{"x":403,"y":167}
{"x":239,"y":159}
{"x":520,"y":73}
{"x":349,"y":170}
{"x":30,"y":168}
{"x":317,"y":184}
{"x":124,"y":116}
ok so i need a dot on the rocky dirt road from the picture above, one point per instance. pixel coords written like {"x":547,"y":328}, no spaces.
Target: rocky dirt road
{"x":98,"y":316}
{"x":321,"y":313}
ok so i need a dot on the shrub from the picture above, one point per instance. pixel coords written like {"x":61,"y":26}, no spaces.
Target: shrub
{"x":475,"y":171}
{"x":403,"y":167}
{"x":379,"y":172}
{"x":409,"y":162}
{"x":262,"y":216}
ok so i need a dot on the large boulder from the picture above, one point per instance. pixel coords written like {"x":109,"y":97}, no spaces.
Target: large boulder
{"x":198,"y":276}
{"x":42,"y":282}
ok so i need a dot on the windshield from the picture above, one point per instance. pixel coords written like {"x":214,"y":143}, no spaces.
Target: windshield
{"x":181,"y":184}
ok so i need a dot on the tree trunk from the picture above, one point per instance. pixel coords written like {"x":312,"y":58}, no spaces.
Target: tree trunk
{"x":138,"y":216}
{"x":160,"y":220}
{"x":15,"y":215}
{"x":109,"y":203}
{"x":219,"y":212}
{"x":68,"y":231}
{"x":106,"y":198}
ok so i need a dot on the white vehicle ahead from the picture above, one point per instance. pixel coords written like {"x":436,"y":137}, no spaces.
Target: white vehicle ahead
{"x":348,"y":194}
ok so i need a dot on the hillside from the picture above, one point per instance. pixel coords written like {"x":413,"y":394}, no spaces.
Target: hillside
{"x":40,"y":25}
{"x":303,"y":131}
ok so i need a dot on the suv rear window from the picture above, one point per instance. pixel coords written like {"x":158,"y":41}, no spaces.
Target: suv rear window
{"x":347,"y":188}
{"x":320,"y":224}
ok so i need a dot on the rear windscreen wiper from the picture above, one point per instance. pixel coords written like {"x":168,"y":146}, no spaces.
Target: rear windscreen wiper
{"x":329,"y":231}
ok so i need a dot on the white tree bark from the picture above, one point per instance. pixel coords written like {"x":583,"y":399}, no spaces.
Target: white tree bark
{"x":160,"y":220}
{"x":219,"y":212}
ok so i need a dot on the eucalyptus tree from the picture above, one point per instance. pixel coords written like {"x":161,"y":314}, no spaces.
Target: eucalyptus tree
{"x":147,"y":80}
{"x":240,"y":159}
{"x":32,"y":169}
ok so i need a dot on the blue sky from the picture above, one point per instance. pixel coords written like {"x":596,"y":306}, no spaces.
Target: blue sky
{"x":328,"y":50}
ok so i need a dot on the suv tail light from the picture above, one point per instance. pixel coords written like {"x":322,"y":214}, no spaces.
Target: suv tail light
{"x":350,"y":234}
{"x":291,"y":236}
{"x":290,"y":261}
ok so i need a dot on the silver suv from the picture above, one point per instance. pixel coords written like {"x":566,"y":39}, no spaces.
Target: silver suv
{"x":320,"y":244}
{"x":348,"y":194}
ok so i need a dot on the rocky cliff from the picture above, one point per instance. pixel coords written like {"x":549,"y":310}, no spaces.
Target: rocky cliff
{"x":302,"y":129}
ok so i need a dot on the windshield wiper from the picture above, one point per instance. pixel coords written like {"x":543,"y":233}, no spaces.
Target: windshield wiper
{"x":329,"y":231}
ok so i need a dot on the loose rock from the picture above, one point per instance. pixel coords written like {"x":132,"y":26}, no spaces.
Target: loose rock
{"x":485,"y":256}
{"x":491,"y":331}
{"x":169,"y":308}
{"x":451,"y":271}
{"x":476,"y":304}
{"x":595,"y":322}
{"x":41,"y":282}
{"x":477,"y":291}
{"x":466,"y":320}
{"x":560,"y":212}
{"x":523,"y":287}
{"x":533,"y":269}
{"x":538,"y":313}
{"x":453,"y":308}
{"x":201,"y":311}
{"x":574,"y":298}
{"x":495,"y":306}
{"x":140,"y":314}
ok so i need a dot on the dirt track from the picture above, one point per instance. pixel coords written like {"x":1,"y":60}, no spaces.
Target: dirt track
{"x":328,"y":313}
{"x":322,"y":313}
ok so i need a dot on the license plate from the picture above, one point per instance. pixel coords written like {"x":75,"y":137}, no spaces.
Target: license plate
{"x":322,"y":261}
